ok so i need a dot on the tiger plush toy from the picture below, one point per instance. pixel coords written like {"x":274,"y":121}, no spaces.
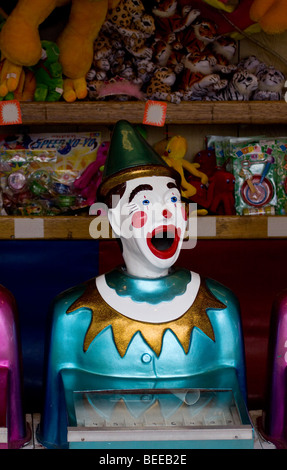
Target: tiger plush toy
{"x":169,"y":20}
{"x":270,"y":80}
{"x":224,"y":48}
{"x":196,"y":87}
{"x":250,"y":63}
{"x":241,"y":87}
{"x":165,"y":56}
{"x":196,"y":38}
{"x":203,"y":76}
{"x":161,"y":52}
{"x":270,"y":84}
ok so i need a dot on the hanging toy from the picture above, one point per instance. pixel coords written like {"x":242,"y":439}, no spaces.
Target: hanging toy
{"x":173,"y":152}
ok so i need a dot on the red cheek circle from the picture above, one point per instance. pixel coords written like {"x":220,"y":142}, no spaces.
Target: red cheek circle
{"x":184,"y":214}
{"x":139,"y":219}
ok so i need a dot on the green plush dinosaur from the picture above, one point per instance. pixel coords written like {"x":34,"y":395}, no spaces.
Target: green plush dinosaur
{"x":48,"y":74}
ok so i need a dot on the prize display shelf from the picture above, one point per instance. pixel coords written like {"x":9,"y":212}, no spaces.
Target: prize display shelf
{"x":78,"y":227}
{"x":187,"y":113}
{"x":196,"y":112}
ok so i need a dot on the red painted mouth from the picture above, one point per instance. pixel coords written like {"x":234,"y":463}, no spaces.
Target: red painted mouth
{"x":163,"y":241}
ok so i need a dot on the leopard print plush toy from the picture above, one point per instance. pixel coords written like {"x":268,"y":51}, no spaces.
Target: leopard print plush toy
{"x":132,"y":25}
{"x":160,"y":86}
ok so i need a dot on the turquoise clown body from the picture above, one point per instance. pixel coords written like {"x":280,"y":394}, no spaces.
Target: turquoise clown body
{"x":147,"y":325}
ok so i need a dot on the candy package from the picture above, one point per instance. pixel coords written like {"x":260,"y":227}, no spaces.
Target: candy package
{"x":220,"y":144}
{"x":254,"y":169}
{"x":37,"y":172}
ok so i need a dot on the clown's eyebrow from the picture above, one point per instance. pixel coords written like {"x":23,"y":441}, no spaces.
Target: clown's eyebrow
{"x":141,"y":187}
{"x":172,"y":185}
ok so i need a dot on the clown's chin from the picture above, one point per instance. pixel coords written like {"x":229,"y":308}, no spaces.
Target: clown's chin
{"x":163,"y":241}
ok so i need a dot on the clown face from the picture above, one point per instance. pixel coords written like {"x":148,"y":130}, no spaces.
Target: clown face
{"x":150,"y":220}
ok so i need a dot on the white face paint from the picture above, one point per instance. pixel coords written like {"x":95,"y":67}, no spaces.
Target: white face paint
{"x":151,"y":221}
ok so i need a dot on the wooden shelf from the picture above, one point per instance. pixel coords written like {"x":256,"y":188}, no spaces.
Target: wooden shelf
{"x":98,"y":112}
{"x":78,"y":227}
{"x":104,"y":113}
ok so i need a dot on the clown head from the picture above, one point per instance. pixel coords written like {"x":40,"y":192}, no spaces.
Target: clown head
{"x":145,"y":208}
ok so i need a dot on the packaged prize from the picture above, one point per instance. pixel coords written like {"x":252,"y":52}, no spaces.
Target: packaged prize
{"x":38,"y":172}
{"x":281,"y":177}
{"x":254,"y":168}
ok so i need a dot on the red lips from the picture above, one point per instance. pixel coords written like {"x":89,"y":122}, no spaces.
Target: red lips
{"x":163,"y":241}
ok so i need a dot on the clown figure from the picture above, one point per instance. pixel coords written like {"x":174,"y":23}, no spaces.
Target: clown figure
{"x":147,"y":324}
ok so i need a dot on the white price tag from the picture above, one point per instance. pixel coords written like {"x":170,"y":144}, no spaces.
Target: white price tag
{"x":29,"y":228}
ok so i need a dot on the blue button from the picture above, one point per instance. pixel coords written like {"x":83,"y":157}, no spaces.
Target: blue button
{"x":146,"y":358}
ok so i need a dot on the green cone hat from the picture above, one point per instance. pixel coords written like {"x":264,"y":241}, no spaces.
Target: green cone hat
{"x":130,"y":156}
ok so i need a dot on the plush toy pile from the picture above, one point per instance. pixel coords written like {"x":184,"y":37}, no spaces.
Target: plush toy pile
{"x":171,"y":53}
{"x":169,"y":50}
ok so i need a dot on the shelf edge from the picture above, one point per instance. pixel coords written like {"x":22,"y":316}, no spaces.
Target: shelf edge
{"x":195,"y":112}
{"x":79,"y":228}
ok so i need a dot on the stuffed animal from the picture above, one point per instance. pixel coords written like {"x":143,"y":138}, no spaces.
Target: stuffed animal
{"x":26,"y":84}
{"x":48,"y":74}
{"x":251,"y":64}
{"x":206,"y":158}
{"x":270,"y":84}
{"x":123,"y":48}
{"x":270,"y":14}
{"x":160,"y":86}
{"x":220,"y":193}
{"x":132,"y":25}
{"x":224,"y":49}
{"x":20,"y":40}
{"x":228,"y":22}
{"x":200,"y":196}
{"x":226,"y":5}
{"x":144,"y":70}
{"x":103,"y":57}
{"x":173,"y":152}
{"x":170,"y":19}
{"x":26,"y":88}
{"x":271,"y":81}
{"x":197,"y":37}
{"x":198,"y":80}
{"x":207,"y":61}
{"x":241,"y":87}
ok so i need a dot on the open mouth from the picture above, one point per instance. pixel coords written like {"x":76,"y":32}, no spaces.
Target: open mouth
{"x":163,"y":241}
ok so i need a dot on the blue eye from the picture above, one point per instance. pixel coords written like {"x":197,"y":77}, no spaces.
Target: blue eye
{"x":173,"y":199}
{"x":145,"y":202}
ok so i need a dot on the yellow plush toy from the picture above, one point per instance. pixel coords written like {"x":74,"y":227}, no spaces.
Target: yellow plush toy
{"x":173,"y":151}
{"x":270,"y":14}
{"x":226,"y":5}
{"x":20,"y":41}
